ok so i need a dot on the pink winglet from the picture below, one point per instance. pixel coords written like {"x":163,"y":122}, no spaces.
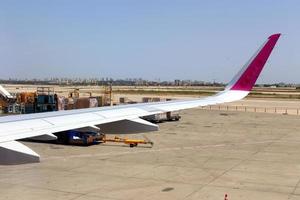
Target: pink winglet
{"x":248,"y":78}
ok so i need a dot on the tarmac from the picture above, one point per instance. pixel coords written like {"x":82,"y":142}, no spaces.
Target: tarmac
{"x":205,"y":155}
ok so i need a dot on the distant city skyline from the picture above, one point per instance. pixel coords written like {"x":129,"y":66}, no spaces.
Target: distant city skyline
{"x":153,"y":40}
{"x":129,"y":82}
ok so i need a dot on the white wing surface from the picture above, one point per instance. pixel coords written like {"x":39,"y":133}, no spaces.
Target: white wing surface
{"x":117,"y":119}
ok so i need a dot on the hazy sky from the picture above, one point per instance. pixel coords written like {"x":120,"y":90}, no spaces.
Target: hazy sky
{"x":166,"y":39}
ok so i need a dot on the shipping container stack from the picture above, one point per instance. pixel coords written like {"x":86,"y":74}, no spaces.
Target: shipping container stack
{"x":74,"y":101}
{"x":27,"y":102}
{"x":46,"y":100}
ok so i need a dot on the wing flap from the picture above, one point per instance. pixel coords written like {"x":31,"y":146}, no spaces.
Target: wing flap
{"x":13,"y":152}
{"x":128,"y":126}
{"x":45,"y":137}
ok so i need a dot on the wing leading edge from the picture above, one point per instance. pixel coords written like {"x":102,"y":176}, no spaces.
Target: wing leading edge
{"x":45,"y":124}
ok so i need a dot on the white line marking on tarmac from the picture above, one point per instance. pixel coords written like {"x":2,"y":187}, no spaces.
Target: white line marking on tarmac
{"x":156,"y":150}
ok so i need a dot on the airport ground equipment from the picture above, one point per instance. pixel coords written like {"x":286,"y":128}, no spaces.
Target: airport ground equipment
{"x":162,"y":117}
{"x":118,"y":119}
{"x":127,"y":141}
{"x":86,"y":138}
{"x":75,"y":137}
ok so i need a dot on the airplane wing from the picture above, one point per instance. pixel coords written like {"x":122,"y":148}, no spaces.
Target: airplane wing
{"x":117,"y":119}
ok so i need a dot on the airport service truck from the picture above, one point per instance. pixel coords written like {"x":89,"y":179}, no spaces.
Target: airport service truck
{"x":74,"y":137}
{"x":167,"y":116}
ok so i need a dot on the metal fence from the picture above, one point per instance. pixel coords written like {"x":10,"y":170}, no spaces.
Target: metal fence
{"x":277,"y":110}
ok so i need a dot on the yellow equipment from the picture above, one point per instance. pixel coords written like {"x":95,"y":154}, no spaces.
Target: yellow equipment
{"x":130,"y":142}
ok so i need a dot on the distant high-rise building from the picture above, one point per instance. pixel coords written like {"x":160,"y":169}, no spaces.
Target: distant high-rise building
{"x":177,"y":82}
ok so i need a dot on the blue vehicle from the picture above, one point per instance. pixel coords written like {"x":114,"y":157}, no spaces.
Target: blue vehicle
{"x":74,"y":137}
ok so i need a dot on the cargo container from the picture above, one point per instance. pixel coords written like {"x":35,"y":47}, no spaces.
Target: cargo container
{"x":123,"y":100}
